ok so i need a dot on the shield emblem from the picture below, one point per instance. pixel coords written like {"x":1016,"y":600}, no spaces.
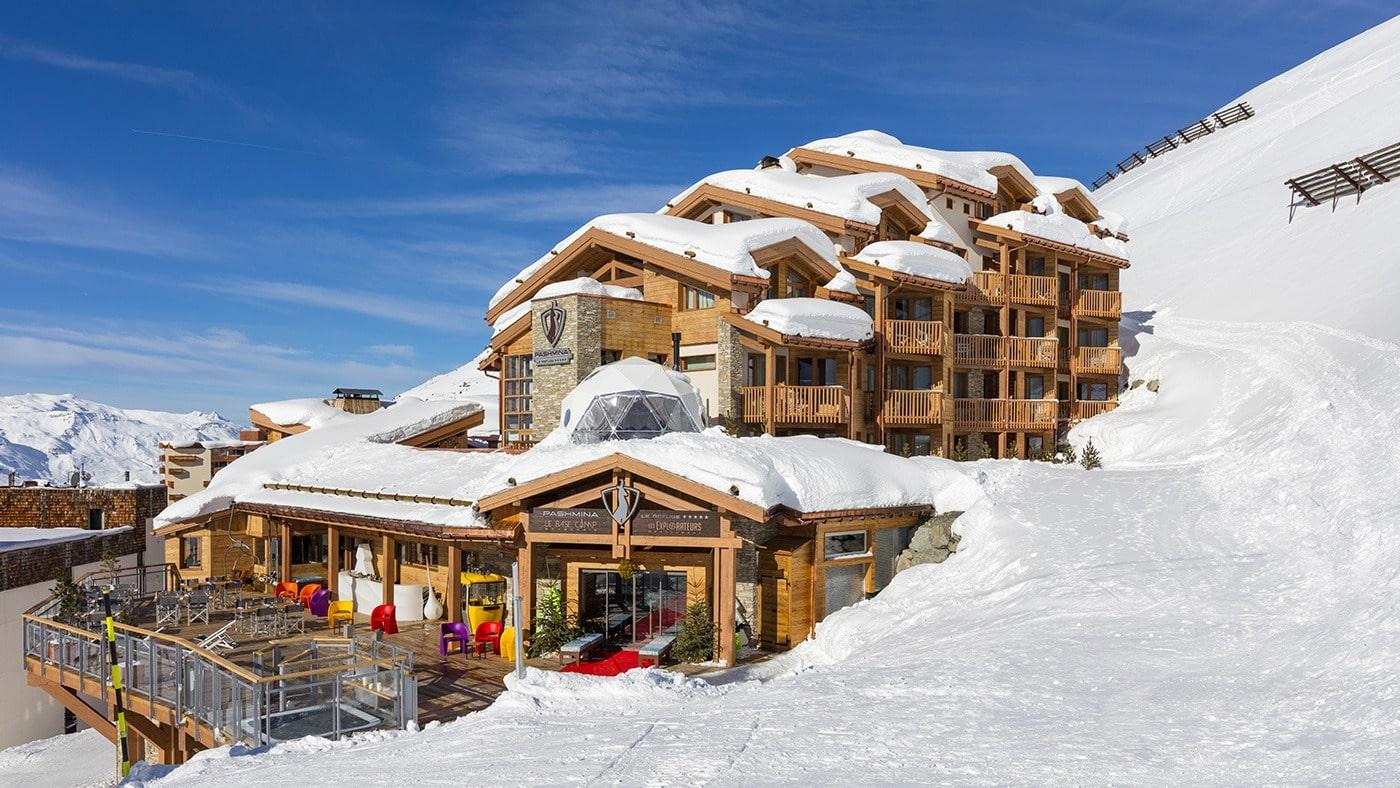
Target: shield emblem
{"x":621,"y":502}
{"x":552,"y":320}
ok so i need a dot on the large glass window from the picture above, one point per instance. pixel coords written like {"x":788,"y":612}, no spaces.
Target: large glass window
{"x":189,"y":552}
{"x":518,"y":380}
{"x":695,"y":298}
{"x":309,"y":549}
{"x":1093,"y":337}
{"x":912,"y":308}
{"x":1093,"y":392}
{"x":698,"y":363}
{"x":842,"y":544}
{"x":797,"y":286}
{"x":636,"y":608}
{"x":816,"y":371}
{"x":1035,"y":387}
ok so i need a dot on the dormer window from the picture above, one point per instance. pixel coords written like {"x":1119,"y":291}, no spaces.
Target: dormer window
{"x":797,"y":286}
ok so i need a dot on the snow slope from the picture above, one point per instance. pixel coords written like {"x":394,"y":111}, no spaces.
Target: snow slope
{"x":47,"y":436}
{"x":1209,"y":222}
{"x":469,"y":384}
{"x":1218,"y":605}
{"x":78,"y":759}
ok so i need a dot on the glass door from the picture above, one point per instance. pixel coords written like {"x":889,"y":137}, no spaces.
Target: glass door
{"x":637,"y":609}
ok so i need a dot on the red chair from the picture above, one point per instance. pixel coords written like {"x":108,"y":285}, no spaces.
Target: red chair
{"x":382,"y":618}
{"x":286,"y":590}
{"x":488,"y":636}
{"x":307,"y":591}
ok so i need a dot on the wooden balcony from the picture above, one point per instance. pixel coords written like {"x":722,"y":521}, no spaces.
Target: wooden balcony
{"x":1087,"y":409}
{"x":996,"y":415}
{"x":979,"y":349}
{"x":797,"y":404}
{"x":1041,"y":352}
{"x":923,"y":337}
{"x":905,"y":407}
{"x":1098,"y":360}
{"x":988,"y":287}
{"x":1099,"y":303}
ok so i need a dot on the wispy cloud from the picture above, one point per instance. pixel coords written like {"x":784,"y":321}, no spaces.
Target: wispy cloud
{"x":550,"y":203}
{"x":411,"y":311}
{"x":158,"y":76}
{"x":399,"y":351}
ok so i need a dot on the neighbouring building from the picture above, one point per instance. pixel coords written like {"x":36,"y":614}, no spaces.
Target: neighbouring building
{"x":991,"y":296}
{"x":277,"y":420}
{"x":187,"y":467}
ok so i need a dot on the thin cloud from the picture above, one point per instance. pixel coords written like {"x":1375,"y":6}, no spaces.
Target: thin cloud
{"x":399,"y":351}
{"x":411,"y":311}
{"x":158,"y":76}
{"x":525,"y":205}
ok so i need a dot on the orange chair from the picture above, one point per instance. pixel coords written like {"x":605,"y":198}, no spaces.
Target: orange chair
{"x":340,"y":610}
{"x":286,"y":590}
{"x":383,"y":618}
{"x":306,"y":592}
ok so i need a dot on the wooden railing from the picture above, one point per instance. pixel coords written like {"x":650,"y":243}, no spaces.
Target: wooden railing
{"x":986,"y":287}
{"x":903,"y":406}
{"x":1004,"y":414}
{"x":1040,"y":290}
{"x":916,"y":336}
{"x":796,"y":404}
{"x":1098,"y":360}
{"x":1099,"y":303}
{"x":979,"y":348}
{"x":1087,"y":409}
{"x":1033,"y":351}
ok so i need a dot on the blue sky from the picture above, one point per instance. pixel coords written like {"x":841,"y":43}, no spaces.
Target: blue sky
{"x":204,"y":205}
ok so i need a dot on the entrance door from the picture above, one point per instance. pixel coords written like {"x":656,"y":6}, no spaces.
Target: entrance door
{"x":637,"y":608}
{"x":773,"y":604}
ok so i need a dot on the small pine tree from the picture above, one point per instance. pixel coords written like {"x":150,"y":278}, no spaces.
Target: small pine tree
{"x":1067,"y":452}
{"x":72,"y":603}
{"x":696,"y":640}
{"x":959,"y":451}
{"x":553,"y":626}
{"x":983,"y":450}
{"x":1091,"y":458}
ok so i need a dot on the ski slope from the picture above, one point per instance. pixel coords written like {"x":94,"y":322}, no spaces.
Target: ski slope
{"x":48,"y":436}
{"x":1210,"y":221}
{"x":467,"y":384}
{"x":1219,"y":604}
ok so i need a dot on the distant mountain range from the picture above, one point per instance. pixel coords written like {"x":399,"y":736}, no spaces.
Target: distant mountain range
{"x":48,"y":436}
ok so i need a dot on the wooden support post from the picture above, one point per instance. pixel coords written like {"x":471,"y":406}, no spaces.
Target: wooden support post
{"x":726,"y":605}
{"x":390,"y":567}
{"x":333,"y":560}
{"x":770,"y":392}
{"x":526,"y":556}
{"x":881,"y":320}
{"x":851,"y":397}
{"x":454,"y":582}
{"x":284,"y":555}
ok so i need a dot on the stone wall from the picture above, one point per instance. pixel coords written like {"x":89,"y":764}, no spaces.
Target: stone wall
{"x":729,"y":368}
{"x":753,"y":535}
{"x":67,"y":507}
{"x":583,"y":332}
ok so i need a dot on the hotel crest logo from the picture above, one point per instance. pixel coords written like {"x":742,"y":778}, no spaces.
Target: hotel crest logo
{"x":552,"y":320}
{"x":621,"y":502}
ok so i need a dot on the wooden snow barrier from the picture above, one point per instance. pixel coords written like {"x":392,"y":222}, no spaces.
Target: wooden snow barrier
{"x":1228,"y":116}
{"x":1344,"y":178}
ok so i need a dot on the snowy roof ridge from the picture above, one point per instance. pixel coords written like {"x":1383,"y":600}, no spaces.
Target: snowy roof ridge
{"x":1053,"y":224}
{"x":814,"y":318}
{"x":845,"y":196}
{"x":916,"y":259}
{"x":968,"y":167}
{"x":725,"y":247}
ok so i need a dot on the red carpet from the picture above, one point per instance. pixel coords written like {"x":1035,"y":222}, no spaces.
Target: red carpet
{"x":611,"y":665}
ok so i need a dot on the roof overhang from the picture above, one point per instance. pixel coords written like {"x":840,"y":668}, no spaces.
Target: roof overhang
{"x":777,"y":338}
{"x":263,"y":422}
{"x":708,"y":195}
{"x":1014,"y":182}
{"x":872,"y":271}
{"x":1057,"y":246}
{"x":923,"y":178}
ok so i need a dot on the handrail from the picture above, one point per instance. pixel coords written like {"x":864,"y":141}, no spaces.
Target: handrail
{"x":1099,"y":303}
{"x":916,"y":336}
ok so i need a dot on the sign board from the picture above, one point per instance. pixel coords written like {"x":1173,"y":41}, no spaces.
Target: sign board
{"x":595,"y":522}
{"x":553,"y":356}
{"x":661,"y":522}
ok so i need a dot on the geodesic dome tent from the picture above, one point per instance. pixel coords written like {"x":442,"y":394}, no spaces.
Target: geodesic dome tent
{"x":632,"y":398}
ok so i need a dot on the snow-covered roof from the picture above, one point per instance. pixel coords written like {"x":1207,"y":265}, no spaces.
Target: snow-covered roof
{"x":359,"y":452}
{"x":816,"y":318}
{"x":843,"y":282}
{"x":846,"y":196}
{"x":586,"y":285}
{"x":727,"y":247}
{"x":939,"y":230}
{"x":22,"y":537}
{"x":311,"y":412}
{"x":1054,"y":184}
{"x":916,"y":259}
{"x":969,"y":167}
{"x":1112,"y":222}
{"x":212,"y":444}
{"x":1053,"y":224}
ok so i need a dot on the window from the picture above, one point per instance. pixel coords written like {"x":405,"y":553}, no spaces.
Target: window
{"x":917,"y":377}
{"x":1036,"y":266}
{"x":308,"y":549}
{"x":816,"y":371}
{"x":868,"y":304}
{"x":910,"y":308}
{"x":695,"y":298}
{"x":949,"y":203}
{"x":889,"y":543}
{"x":417,"y":553}
{"x":1093,"y":392}
{"x":1035,"y":387}
{"x":518,"y":382}
{"x":1093,"y":281}
{"x":94,"y":519}
{"x":1093,"y":337}
{"x":960,"y":385}
{"x":736,"y":217}
{"x":967,"y":208}
{"x":189,"y":552}
{"x":609,"y":356}
{"x":797,"y":287}
{"x":753,"y":370}
{"x":1035,"y":444}
{"x":844,"y":544}
{"x":1035,"y":326}
{"x":698,"y":363}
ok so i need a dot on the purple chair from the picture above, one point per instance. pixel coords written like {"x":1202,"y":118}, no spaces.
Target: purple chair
{"x":320,"y":603}
{"x":454,"y":631}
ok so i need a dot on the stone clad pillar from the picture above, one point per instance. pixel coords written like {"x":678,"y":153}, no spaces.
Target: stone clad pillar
{"x":558,"y":367}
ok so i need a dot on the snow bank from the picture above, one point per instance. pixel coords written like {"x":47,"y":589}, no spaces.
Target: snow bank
{"x":466,"y":383}
{"x":585,"y":285}
{"x":84,"y":758}
{"x":311,"y":412}
{"x":916,"y":259}
{"x":846,"y":196}
{"x":727,"y":247}
{"x":15,"y":538}
{"x":1217,"y":211}
{"x":817,"y":318}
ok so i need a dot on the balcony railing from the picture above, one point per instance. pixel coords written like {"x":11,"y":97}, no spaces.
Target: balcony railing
{"x":916,"y":336}
{"x":989,"y":287}
{"x":1099,"y":303}
{"x":1033,"y":351}
{"x":1004,"y":414}
{"x":980,"y":349}
{"x":1087,"y":409}
{"x":1098,"y":360}
{"x":796,"y":404}
{"x":909,"y":407}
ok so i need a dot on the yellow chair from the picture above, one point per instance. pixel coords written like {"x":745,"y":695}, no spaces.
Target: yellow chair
{"x":342,"y":610}
{"x":508,"y":644}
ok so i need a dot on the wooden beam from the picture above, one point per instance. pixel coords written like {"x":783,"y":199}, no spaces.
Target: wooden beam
{"x":333,"y":559}
{"x":726,"y":605}
{"x":454,"y":583}
{"x":390,"y":570}
{"x":284,"y":553}
{"x":70,"y":700}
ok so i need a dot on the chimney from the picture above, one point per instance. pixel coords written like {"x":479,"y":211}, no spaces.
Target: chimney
{"x":12,"y":479}
{"x":126,"y":475}
{"x":675,"y":350}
